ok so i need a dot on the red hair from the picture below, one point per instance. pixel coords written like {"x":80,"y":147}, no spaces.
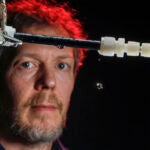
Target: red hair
{"x":61,"y":15}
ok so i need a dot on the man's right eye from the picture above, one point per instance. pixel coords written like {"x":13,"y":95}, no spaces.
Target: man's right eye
{"x":27,"y":65}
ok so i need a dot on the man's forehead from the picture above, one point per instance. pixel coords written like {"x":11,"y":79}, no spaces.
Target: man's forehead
{"x":30,"y":49}
{"x":46,"y":29}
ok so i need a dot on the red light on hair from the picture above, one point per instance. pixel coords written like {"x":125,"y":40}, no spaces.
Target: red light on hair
{"x":59,"y":14}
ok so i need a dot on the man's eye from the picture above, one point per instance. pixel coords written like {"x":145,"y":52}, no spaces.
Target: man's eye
{"x":62,"y":66}
{"x":27,"y":65}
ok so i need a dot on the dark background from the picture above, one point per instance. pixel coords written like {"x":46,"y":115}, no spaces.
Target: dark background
{"x":117,"y":116}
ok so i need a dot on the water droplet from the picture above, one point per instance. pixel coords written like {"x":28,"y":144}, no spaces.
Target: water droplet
{"x":60,"y":46}
{"x":99,"y":86}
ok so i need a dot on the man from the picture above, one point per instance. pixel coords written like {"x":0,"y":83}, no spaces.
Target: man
{"x":37,"y":80}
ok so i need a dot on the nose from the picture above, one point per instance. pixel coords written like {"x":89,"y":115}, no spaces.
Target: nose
{"x":45,"y":80}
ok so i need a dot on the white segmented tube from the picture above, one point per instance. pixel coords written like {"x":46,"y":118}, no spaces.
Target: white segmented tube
{"x":145,"y":50}
{"x":120,"y":47}
{"x":133,"y":48}
{"x":108,"y":45}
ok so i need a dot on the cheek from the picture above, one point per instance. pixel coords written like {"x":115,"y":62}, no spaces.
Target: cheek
{"x":64,"y":89}
{"x":65,"y":84}
{"x":19,"y":89}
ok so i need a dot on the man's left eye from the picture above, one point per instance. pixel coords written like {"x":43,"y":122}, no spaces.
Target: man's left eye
{"x":63,"y":66}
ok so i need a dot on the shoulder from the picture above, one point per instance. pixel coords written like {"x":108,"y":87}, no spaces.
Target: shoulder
{"x":1,"y":147}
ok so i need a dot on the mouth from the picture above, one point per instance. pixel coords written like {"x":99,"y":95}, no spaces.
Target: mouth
{"x":44,"y":107}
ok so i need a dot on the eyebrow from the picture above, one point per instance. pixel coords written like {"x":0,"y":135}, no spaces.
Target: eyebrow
{"x":65,"y":56}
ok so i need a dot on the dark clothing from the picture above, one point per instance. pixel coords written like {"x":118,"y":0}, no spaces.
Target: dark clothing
{"x":1,"y":147}
{"x":56,"y":146}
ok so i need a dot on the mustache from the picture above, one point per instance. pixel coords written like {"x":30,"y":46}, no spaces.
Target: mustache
{"x":41,"y":98}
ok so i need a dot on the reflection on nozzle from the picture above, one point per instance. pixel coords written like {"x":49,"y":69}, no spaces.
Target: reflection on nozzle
{"x":110,"y":47}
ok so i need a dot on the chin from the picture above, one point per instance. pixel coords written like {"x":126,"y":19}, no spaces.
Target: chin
{"x":40,"y":132}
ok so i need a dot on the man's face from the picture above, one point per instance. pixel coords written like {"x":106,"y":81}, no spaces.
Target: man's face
{"x":40,"y":80}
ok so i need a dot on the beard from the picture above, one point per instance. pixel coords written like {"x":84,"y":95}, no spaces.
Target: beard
{"x":35,"y":135}
{"x":28,"y":133}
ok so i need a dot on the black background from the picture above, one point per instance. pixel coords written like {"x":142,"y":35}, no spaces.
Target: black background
{"x":117,"y":116}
